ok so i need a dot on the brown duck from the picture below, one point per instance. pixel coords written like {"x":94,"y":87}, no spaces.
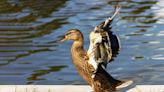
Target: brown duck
{"x":102,"y":81}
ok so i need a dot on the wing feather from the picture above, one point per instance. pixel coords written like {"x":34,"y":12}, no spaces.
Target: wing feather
{"x":104,"y":42}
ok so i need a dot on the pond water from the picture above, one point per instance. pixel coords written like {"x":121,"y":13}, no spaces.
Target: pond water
{"x":29,"y":30}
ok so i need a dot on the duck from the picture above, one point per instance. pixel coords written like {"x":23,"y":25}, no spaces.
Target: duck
{"x":100,"y":44}
{"x":103,"y":81}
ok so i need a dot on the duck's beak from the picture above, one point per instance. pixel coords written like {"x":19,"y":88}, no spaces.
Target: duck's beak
{"x":63,"y":38}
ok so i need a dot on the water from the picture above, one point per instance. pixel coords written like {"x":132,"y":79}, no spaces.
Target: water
{"x":29,"y":30}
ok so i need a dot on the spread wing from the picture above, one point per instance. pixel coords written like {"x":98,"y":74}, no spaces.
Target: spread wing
{"x":107,"y":48}
{"x":114,"y":39}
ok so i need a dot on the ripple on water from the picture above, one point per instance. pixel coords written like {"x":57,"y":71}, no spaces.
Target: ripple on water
{"x":29,"y":30}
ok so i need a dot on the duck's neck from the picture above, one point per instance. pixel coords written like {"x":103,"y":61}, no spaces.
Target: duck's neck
{"x":77,"y":49}
{"x":77,"y":45}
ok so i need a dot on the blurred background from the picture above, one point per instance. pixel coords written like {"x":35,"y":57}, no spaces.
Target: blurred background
{"x":29,"y":30}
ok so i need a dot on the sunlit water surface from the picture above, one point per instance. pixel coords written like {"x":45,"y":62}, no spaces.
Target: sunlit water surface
{"x":29,"y":30}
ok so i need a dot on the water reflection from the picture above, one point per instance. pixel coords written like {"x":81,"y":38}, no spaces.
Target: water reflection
{"x":18,"y":31}
{"x":29,"y":31}
{"x":38,"y":73}
{"x":23,"y":27}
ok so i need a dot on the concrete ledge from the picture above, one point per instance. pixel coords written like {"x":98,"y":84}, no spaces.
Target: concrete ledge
{"x":147,"y":88}
{"x":45,"y":88}
{"x":72,"y":88}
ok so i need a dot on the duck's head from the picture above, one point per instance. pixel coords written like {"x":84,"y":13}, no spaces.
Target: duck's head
{"x":73,"y":34}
